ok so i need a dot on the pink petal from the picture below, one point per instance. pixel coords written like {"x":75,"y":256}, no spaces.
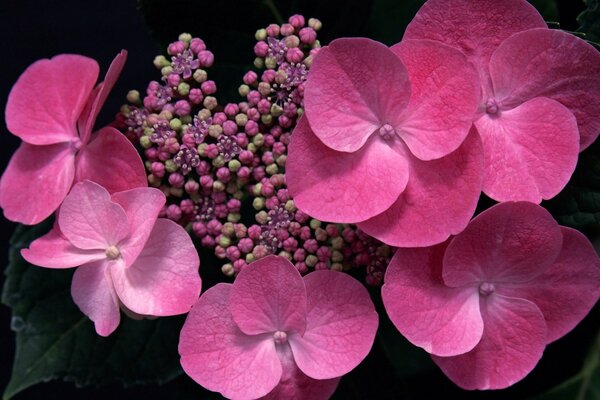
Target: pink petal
{"x":93,"y":293}
{"x":566,"y":291}
{"x":36,"y":181}
{"x":442,"y":320}
{"x":340,"y":325}
{"x":344,"y":187}
{"x":439,"y":199}
{"x":90,"y":220}
{"x":356,"y":85}
{"x":445,"y":94}
{"x":111,"y":161}
{"x":220,"y":357}
{"x":142,"y":206}
{"x":475,"y":27}
{"x":53,"y":251}
{"x":507,"y":243}
{"x":267,"y":296}
{"x":513,"y":341}
{"x":95,"y":102}
{"x":555,"y":64}
{"x":45,"y":103}
{"x":295,"y":385}
{"x":164,"y":278}
{"x":530,"y":151}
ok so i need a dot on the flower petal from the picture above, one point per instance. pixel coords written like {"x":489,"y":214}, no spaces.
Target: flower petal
{"x":267,"y":296}
{"x":220,"y":357}
{"x":36,"y":181}
{"x":507,"y":243}
{"x":90,"y":220}
{"x":93,"y":292}
{"x":442,"y":320}
{"x":513,"y":341}
{"x":445,"y":94}
{"x":554,"y":64}
{"x":439,"y":199}
{"x":45,"y":103}
{"x":530,"y":151}
{"x":164,"y":278}
{"x":142,"y":206}
{"x":344,"y":187}
{"x":475,"y":27}
{"x":566,"y":291}
{"x":111,"y":161}
{"x":355,"y":86}
{"x":95,"y":102}
{"x":340,"y":325}
{"x":295,"y":385}
{"x":54,"y":251}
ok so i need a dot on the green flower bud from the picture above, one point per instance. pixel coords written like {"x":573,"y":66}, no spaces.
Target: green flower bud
{"x":170,"y":166}
{"x":311,"y":260}
{"x":258,"y":203}
{"x":314,"y":224}
{"x":260,"y":34}
{"x":234,"y":165}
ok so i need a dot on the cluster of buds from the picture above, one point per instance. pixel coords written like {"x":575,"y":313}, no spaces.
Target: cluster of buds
{"x":218,"y":163}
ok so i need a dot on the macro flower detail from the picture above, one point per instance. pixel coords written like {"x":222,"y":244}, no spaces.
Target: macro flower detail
{"x":385,"y":140}
{"x":52,"y":108}
{"x":126,"y":256}
{"x":487,"y":302}
{"x":274,"y":333}
{"x":539,"y":103}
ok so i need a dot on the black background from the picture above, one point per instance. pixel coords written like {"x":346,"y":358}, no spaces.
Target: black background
{"x":30,"y":30}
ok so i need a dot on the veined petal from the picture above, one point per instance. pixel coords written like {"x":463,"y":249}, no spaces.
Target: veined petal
{"x":219,"y":356}
{"x":36,"y":181}
{"x":439,"y":200}
{"x":90,"y":220}
{"x":513,"y":341}
{"x":507,"y":243}
{"x":530,"y":151}
{"x":341,"y":323}
{"x":442,"y":320}
{"x":555,"y":64}
{"x":111,"y":161}
{"x":344,"y":187}
{"x":48,"y":98}
{"x":268,"y":296}
{"x":93,"y":292}
{"x":355,"y":86}
{"x":445,"y":92}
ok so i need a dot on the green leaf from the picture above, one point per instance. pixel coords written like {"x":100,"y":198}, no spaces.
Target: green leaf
{"x":589,"y":20}
{"x":578,"y":205}
{"x":55,"y":340}
{"x":583,"y":386}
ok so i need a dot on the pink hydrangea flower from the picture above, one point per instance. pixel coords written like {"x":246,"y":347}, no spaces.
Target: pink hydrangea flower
{"x":52,"y":108}
{"x":540,"y":92}
{"x":385,"y":140}
{"x":127,"y":256}
{"x":273,"y":333}
{"x":486,"y":303}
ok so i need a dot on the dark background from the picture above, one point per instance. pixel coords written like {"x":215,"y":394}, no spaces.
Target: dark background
{"x":34,"y":29}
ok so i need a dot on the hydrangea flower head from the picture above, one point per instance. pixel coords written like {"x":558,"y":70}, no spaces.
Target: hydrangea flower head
{"x":486,"y":303}
{"x":274,"y":333}
{"x":540,"y":102}
{"x":52,"y":108}
{"x":385,"y":140}
{"x":126,"y":256}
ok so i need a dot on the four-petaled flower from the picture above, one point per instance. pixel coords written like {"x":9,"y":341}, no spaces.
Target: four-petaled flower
{"x":52,"y":108}
{"x":273,"y":333}
{"x":540,"y":91}
{"x":127,"y":256}
{"x":486,"y":303}
{"x":385,"y":140}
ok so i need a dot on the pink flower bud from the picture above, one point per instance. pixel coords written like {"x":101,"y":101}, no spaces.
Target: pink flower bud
{"x":208,"y":241}
{"x":199,"y":229}
{"x":224,"y":174}
{"x":250,"y":77}
{"x":173,"y":212}
{"x":230,"y":128}
{"x":176,"y":180}
{"x":191,"y":186}
{"x":251,"y":128}
{"x":206,"y":58}
{"x":254,"y":232}
{"x":158,"y":169}
{"x":196,"y":96}
{"x":182,"y":108}
{"x":246,"y":245}
{"x":286,"y":30}
{"x":297,"y":21}
{"x":294,"y":55}
{"x":208,"y":87}
{"x":273,"y":30}
{"x":176,"y":48}
{"x":261,"y":49}
{"x":307,"y":35}
{"x":186,"y":206}
{"x":197,"y":45}
{"x":231,"y":109}
{"x":253,"y":97}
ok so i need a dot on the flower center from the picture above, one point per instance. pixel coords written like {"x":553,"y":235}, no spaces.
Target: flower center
{"x":112,"y":253}
{"x":491,"y":107}
{"x":486,"y":288}
{"x":387,"y":132}
{"x":280,"y":337}
{"x":76,"y":144}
